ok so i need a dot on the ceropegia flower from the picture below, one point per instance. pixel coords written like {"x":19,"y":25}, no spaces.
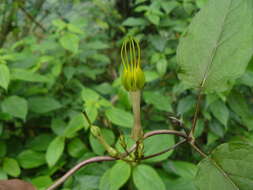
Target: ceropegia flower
{"x":133,"y":78}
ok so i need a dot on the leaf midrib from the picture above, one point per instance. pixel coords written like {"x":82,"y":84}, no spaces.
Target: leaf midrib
{"x":223,"y":172}
{"x":213,"y":53}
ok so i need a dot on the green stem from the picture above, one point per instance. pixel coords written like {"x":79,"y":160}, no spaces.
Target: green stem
{"x":137,"y":132}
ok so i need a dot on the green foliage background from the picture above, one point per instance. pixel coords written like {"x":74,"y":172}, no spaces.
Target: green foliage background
{"x":59,"y":58}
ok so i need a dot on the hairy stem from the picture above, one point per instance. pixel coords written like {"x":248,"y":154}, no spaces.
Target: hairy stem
{"x":137,"y":131}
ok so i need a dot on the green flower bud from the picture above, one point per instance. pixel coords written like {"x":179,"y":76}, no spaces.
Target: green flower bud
{"x":95,"y":131}
{"x":133,"y":78}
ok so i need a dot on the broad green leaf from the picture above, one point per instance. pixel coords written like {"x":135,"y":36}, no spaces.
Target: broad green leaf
{"x":43,"y":104}
{"x":153,"y":18}
{"x":25,"y":75}
{"x":239,"y":105}
{"x":179,"y":183}
{"x":186,"y":104}
{"x":160,"y":101}
{"x":91,"y":110}
{"x":11,"y":167}
{"x":76,"y":123}
{"x":58,"y":126}
{"x":168,"y":6}
{"x":119,"y":117}
{"x":15,"y":106}
{"x":218,"y":45}
{"x":157,"y":144}
{"x":228,"y":167}
{"x":131,"y":21}
{"x":96,"y":145}
{"x":151,"y":76}
{"x":161,"y":66}
{"x":30,"y":159}
{"x":183,"y":169}
{"x":40,"y":142}
{"x":111,"y":180}
{"x":89,"y":95}
{"x":117,"y":180}
{"x":145,"y":177}
{"x":220,"y":111}
{"x":70,"y":42}
{"x":76,"y":148}
{"x":42,"y":181}
{"x":4,"y":76}
{"x":217,"y":128}
{"x":55,"y":150}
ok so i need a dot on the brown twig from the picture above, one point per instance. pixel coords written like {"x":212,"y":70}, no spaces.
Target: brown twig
{"x":78,"y":166}
{"x":170,"y":132}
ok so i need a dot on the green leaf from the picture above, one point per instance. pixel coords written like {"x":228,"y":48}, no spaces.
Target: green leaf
{"x":70,"y":42}
{"x":239,"y":105}
{"x":96,"y":145}
{"x":42,"y":181}
{"x":217,"y":128}
{"x":4,"y":76}
{"x":157,"y":144}
{"x":186,"y":104}
{"x":24,"y":75}
{"x":151,"y":76}
{"x":160,"y":101}
{"x":91,"y":110}
{"x":30,"y":159}
{"x":153,"y":18}
{"x":40,"y":142}
{"x":43,"y":104}
{"x":89,"y":95}
{"x":76,"y":148}
{"x":76,"y":123}
{"x":111,"y":180}
{"x":168,"y":6}
{"x":15,"y":106}
{"x":218,"y":45}
{"x":145,"y":177}
{"x":183,"y":169}
{"x":131,"y":21}
{"x":119,"y":117}
{"x":228,"y":167}
{"x":220,"y":111}
{"x":11,"y":167}
{"x":55,"y":150}
{"x":161,"y":66}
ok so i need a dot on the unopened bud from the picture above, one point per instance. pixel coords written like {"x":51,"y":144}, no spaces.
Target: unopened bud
{"x":133,"y":77}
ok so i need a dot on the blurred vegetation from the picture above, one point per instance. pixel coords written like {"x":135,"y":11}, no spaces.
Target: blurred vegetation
{"x":58,"y":58}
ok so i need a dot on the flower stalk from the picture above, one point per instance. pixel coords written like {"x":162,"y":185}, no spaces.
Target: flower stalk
{"x":137,"y":132}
